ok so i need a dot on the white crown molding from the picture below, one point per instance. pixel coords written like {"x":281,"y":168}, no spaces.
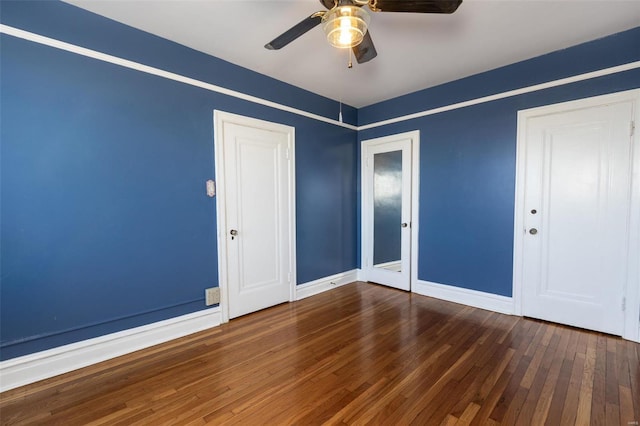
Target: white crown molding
{"x":507,"y":94}
{"x":52,"y":362}
{"x":47,"y":41}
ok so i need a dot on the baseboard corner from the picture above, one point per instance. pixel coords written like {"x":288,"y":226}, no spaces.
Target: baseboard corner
{"x":42,"y":365}
{"x":312,"y":288}
{"x":477,"y":299}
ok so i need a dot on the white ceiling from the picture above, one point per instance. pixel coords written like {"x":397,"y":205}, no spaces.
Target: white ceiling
{"x":415,"y":51}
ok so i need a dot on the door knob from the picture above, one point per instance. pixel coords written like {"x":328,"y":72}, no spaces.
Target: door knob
{"x":404,"y":225}
{"x":533,"y":231}
{"x":233,"y":233}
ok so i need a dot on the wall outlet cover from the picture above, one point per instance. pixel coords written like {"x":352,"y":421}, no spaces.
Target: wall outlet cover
{"x":212,"y":296}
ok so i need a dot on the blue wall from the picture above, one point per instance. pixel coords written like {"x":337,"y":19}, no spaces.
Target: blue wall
{"x":105,"y":221}
{"x":467,"y":156}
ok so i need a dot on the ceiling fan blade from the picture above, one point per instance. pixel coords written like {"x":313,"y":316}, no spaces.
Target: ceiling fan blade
{"x":365,"y":51}
{"x":329,"y":4}
{"x":415,"y":6}
{"x":294,"y":32}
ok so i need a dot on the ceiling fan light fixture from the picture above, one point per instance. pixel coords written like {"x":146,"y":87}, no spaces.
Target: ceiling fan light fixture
{"x":345,"y":26}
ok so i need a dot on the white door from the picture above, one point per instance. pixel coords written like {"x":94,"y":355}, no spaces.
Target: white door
{"x":576,"y":215}
{"x":256,"y":229}
{"x":386,"y":182}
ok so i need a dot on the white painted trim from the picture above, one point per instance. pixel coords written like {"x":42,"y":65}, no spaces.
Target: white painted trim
{"x":293,"y":249}
{"x":464,"y":296}
{"x":415,"y":202}
{"x":221,"y":216}
{"x":25,"y":35}
{"x":36,"y":38}
{"x":632,"y":320}
{"x":219,"y":118}
{"x":52,"y":362}
{"x":631,"y":329}
{"x":507,"y":94}
{"x":519,"y":215}
{"x":312,"y":288}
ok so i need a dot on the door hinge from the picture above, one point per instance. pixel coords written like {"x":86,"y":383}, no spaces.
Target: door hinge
{"x":624,"y":303}
{"x":633,"y":127}
{"x":286,"y":153}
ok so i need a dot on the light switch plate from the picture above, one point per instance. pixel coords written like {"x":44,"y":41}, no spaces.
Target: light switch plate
{"x":211,"y":188}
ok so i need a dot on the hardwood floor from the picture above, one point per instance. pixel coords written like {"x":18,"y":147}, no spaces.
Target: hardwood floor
{"x":358,"y":354}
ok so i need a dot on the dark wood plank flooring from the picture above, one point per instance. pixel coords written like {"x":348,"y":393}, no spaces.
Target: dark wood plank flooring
{"x":358,"y":354}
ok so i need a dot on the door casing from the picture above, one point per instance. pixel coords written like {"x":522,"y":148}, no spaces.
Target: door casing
{"x":365,"y":240}
{"x":219,"y":118}
{"x":631,"y":329}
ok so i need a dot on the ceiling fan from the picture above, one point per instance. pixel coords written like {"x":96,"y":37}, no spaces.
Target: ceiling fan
{"x":345,"y":22}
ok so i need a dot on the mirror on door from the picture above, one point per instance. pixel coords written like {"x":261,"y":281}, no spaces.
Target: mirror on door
{"x":387,"y":210}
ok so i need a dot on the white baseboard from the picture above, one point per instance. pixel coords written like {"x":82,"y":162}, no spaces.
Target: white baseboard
{"x":327,"y":283}
{"x":52,"y":362}
{"x":464,"y":296}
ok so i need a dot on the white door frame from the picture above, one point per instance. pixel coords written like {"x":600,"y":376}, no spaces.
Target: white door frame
{"x":219,"y":118}
{"x":631,"y":329}
{"x":365,"y":242}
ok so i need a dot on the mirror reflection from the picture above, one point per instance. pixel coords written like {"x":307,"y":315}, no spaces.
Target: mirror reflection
{"x":387,"y":210}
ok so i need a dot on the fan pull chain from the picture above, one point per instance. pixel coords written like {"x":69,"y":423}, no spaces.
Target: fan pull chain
{"x":349,"y":65}
{"x":340,"y":113}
